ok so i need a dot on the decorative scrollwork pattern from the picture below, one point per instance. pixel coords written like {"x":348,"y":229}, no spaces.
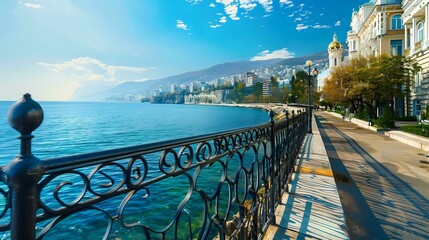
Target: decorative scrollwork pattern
{"x":218,"y":185}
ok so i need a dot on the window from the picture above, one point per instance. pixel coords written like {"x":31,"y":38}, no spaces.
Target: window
{"x":396,"y":47}
{"x":419,"y":32}
{"x":396,"y":23}
{"x":417,"y":80}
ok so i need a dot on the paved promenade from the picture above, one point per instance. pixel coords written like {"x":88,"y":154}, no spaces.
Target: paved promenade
{"x":355,"y":183}
{"x":312,"y":208}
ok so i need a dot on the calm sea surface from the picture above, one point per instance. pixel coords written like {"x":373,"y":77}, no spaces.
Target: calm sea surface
{"x":79,"y":127}
{"x":76,"y":127}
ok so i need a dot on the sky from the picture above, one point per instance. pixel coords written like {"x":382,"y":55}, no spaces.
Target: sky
{"x":49,"y":48}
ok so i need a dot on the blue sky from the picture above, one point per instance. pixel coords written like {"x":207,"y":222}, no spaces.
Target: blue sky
{"x":51,"y":47}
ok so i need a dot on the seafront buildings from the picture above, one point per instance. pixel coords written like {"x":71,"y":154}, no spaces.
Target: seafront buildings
{"x":416,"y":34}
{"x":376,"y":29}
{"x":395,"y":27}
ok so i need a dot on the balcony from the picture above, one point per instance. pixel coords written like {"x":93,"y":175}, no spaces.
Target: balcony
{"x":351,"y":32}
{"x":418,"y":46}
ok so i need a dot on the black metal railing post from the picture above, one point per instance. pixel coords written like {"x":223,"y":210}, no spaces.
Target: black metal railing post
{"x":289,"y":156}
{"x":23,"y":173}
{"x":272,"y":168}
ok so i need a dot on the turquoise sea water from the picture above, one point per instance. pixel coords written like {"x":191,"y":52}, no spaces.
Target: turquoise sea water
{"x":78,"y":127}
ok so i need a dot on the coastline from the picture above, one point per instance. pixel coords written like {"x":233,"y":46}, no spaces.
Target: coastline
{"x":278,"y":108}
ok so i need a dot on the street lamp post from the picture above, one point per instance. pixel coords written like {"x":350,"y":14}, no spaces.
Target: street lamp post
{"x":309,"y":63}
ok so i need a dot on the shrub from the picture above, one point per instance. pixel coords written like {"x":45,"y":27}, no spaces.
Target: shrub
{"x":422,"y":130}
{"x":425,"y":114}
{"x":362,"y":113}
{"x":376,"y":122}
{"x":406,"y":118}
{"x":388,"y":118}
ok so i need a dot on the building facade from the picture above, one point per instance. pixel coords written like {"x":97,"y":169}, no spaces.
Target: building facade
{"x":335,"y":55}
{"x":376,"y":29}
{"x":416,"y":34}
{"x":251,"y":79}
{"x":267,"y":86}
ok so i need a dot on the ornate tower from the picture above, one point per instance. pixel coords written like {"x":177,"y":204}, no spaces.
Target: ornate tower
{"x":335,"y":50}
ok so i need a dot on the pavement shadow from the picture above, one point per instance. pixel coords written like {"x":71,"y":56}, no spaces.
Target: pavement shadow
{"x":311,"y":210}
{"x":400,"y":210}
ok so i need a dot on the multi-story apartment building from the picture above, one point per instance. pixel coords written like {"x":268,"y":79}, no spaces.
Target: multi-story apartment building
{"x":266,"y":88}
{"x":376,"y":28}
{"x":251,"y":79}
{"x":416,"y":21}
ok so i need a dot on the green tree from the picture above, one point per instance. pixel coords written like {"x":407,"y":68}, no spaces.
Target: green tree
{"x":299,"y":87}
{"x":257,"y":90}
{"x":370,"y":82}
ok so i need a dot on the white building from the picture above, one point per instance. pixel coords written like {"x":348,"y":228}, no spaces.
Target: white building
{"x":251,"y":79}
{"x":376,"y":28}
{"x":416,"y":25}
{"x":266,"y":88}
{"x":173,"y":88}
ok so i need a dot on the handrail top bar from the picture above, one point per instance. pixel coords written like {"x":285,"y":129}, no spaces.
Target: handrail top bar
{"x":87,"y":159}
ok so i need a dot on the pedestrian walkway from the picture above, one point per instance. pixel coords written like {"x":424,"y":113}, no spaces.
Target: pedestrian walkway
{"x":381,"y":189}
{"x":312,"y":207}
{"x":386,"y":189}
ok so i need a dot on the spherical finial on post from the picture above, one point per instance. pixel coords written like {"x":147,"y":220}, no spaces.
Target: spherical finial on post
{"x":24,"y":172}
{"x":25,"y":115}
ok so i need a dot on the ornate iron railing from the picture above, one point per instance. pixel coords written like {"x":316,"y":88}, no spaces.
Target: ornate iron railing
{"x":217,"y":186}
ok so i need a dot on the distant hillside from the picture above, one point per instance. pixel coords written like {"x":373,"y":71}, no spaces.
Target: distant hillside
{"x":207,"y":75}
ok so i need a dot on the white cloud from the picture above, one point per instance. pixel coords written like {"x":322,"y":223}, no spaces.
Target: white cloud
{"x":193,"y":2}
{"x":89,"y":69}
{"x":288,"y":3}
{"x":212,"y":5}
{"x":225,"y":2}
{"x":181,"y":25}
{"x":337,"y":23}
{"x":215,"y":25}
{"x":222,"y":19}
{"x":322,"y":14}
{"x":31,"y":5}
{"x":267,"y":5}
{"x":318,"y":26}
{"x":291,"y":15}
{"x":266,"y":55}
{"x":232,"y":10}
{"x":247,"y":5}
{"x":302,"y":5}
{"x":298,"y":19}
{"x":232,"y":7}
{"x":301,"y":26}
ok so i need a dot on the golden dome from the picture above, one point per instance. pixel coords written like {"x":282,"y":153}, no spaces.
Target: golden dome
{"x":335,"y":45}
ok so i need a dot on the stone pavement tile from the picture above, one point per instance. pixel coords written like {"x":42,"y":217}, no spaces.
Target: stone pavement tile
{"x":311,"y":209}
{"x":312,"y":216}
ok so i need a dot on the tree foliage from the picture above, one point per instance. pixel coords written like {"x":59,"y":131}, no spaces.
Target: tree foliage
{"x":257,"y":90}
{"x":370,"y":82}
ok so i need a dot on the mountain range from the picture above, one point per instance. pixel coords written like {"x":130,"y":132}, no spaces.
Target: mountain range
{"x":98,"y":93}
